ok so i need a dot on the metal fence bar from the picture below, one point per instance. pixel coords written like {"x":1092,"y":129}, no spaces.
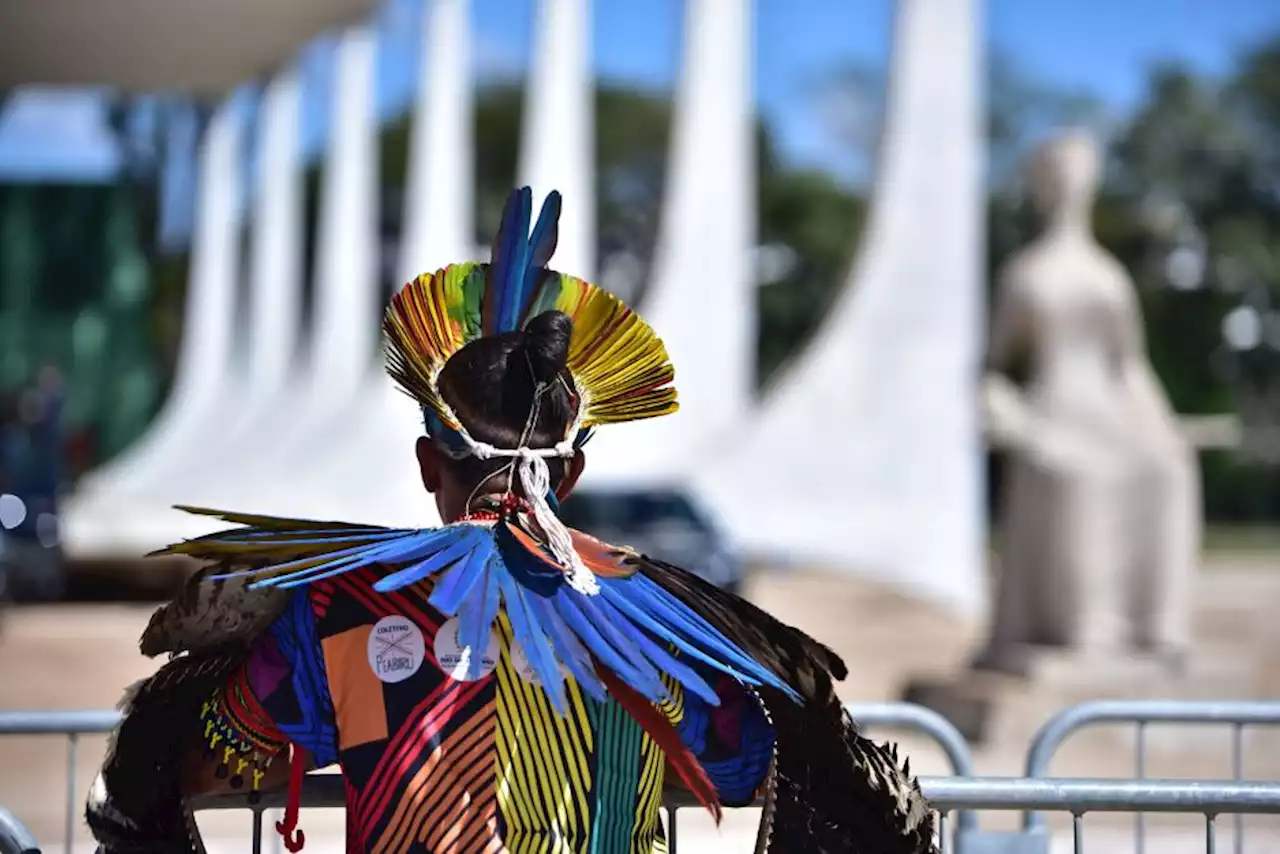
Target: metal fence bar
{"x":1237,"y":773}
{"x":1080,"y":796}
{"x":1140,"y":771}
{"x":72,"y":723}
{"x":1142,"y":713}
{"x":69,"y":832}
{"x":58,"y":721}
{"x":948,"y":794}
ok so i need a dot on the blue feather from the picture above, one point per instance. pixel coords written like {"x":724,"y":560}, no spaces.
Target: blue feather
{"x":509,"y":316}
{"x":527,"y":631}
{"x":350,"y":557}
{"x":638,"y":674}
{"x":319,"y":573}
{"x":388,"y":553}
{"x":458,"y":542}
{"x":412,"y":546}
{"x":623,"y":635}
{"x":500,"y":261}
{"x":680,"y":618}
{"x":569,"y":649}
{"x":510,"y":255}
{"x":664,"y":660}
{"x":532,"y":571}
{"x":477,"y":612}
{"x":454,"y":587}
{"x":666,"y":615}
{"x":546,"y":233}
{"x":542,"y":245}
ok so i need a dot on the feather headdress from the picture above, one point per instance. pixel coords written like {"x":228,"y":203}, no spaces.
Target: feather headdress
{"x":620,"y":368}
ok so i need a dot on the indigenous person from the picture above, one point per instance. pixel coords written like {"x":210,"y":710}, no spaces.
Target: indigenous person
{"x":501,"y":683}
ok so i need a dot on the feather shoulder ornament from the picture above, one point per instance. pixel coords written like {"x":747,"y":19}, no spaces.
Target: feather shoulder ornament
{"x":637,"y":626}
{"x":832,"y":791}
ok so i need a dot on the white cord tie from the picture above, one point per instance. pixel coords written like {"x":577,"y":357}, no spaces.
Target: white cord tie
{"x":535,"y":477}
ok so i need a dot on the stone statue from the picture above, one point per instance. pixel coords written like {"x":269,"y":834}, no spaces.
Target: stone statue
{"x":1100,"y":529}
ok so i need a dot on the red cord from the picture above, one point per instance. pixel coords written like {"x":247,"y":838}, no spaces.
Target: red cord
{"x":294,"y":839}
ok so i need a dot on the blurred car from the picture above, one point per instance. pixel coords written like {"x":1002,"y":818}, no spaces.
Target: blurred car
{"x":663,"y":523}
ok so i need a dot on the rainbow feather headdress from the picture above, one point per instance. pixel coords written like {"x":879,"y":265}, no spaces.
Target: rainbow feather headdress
{"x":620,"y":368}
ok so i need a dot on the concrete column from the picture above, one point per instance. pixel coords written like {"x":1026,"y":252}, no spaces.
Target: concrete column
{"x":557,"y":144}
{"x":866,"y":454}
{"x":702,"y":298}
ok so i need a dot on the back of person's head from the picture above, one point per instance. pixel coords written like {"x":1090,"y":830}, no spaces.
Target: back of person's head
{"x":513,"y":390}
{"x":484,"y":349}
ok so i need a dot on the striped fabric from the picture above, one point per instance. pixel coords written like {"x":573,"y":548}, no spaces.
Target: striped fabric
{"x":437,"y":765}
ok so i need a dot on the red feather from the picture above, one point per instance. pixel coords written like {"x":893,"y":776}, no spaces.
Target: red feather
{"x":601,"y":558}
{"x":654,"y":722}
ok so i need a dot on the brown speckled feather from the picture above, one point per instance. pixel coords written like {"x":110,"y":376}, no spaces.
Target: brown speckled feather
{"x":211,"y":612}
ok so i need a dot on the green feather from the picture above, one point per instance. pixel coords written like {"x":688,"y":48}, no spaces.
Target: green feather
{"x":548,"y":294}
{"x":472,"y":294}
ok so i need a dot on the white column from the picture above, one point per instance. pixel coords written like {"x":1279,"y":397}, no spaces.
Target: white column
{"x":314,"y":409}
{"x":344,"y":332}
{"x":364,"y":469}
{"x":702,"y":298}
{"x":369,"y":474}
{"x":440,"y":186}
{"x":866,"y":454}
{"x":275,"y":275}
{"x":265,"y":364}
{"x":557,"y":143}
{"x":208,"y":333}
{"x":100,"y":518}
{"x":318,"y":410}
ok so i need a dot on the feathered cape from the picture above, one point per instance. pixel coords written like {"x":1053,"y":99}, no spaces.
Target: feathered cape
{"x":832,"y":791}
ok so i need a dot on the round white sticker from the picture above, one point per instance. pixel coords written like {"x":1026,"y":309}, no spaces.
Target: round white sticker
{"x":396,"y":648}
{"x":454,"y":658}
{"x":521,"y":664}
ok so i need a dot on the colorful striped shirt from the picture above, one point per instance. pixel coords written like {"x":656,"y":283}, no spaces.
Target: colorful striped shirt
{"x":434,"y":763}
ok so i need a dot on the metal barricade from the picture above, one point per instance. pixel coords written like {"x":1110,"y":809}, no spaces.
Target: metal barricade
{"x":1141,"y":713}
{"x":907,"y":716}
{"x":73,"y":724}
{"x":951,"y":794}
{"x":962,"y":794}
{"x":1078,"y":797}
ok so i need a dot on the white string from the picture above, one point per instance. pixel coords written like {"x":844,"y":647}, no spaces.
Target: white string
{"x":535,"y":477}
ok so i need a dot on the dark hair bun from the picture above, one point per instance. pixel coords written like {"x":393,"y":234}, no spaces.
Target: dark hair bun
{"x":547,"y":344}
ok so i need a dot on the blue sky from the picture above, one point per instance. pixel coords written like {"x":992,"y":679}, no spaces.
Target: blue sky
{"x":1100,"y":46}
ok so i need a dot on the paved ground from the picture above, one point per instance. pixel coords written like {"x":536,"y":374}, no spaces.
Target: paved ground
{"x":77,"y":656}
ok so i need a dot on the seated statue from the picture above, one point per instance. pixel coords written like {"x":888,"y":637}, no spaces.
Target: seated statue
{"x":1100,"y":527}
